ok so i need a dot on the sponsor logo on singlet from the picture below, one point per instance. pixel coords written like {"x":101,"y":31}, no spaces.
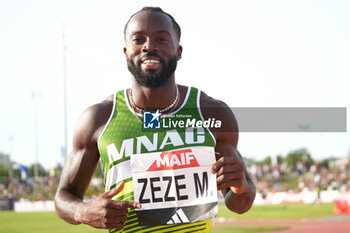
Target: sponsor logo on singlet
{"x":193,"y":136}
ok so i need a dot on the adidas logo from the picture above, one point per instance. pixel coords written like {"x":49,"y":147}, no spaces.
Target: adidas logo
{"x":178,"y":217}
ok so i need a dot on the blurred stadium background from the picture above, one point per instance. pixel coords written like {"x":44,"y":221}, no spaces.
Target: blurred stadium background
{"x":284,"y":54}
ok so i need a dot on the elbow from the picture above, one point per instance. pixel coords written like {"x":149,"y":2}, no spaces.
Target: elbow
{"x":62,"y":213}
{"x":243,"y":209}
{"x":57,"y":206}
{"x":65,"y":207}
{"x":242,"y":204}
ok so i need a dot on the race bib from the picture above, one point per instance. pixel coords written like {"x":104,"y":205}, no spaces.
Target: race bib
{"x":175,"y":186}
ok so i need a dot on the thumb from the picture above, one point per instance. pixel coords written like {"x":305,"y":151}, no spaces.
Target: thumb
{"x":111,"y":193}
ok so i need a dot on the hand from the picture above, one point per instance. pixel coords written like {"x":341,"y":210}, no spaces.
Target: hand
{"x":103,"y":212}
{"x":230,"y":171}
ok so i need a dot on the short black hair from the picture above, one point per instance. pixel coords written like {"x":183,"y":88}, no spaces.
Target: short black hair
{"x":159,"y":10}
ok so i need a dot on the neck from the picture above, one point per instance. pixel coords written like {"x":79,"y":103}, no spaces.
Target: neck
{"x":153,"y":99}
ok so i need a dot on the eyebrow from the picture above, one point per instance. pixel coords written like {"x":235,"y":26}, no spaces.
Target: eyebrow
{"x":143,"y":32}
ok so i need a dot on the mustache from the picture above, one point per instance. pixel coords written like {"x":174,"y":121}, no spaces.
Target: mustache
{"x":151,"y":54}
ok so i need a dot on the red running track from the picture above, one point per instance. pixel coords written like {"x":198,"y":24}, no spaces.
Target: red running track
{"x":295,"y":226}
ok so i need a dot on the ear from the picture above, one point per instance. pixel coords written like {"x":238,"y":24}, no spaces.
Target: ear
{"x":179,"y":52}
{"x":124,"y":49}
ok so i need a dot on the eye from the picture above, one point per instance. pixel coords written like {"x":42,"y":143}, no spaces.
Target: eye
{"x":163,"y":39}
{"x":138,"y":40}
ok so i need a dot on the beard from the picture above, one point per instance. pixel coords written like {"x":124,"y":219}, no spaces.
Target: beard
{"x":150,"y":79}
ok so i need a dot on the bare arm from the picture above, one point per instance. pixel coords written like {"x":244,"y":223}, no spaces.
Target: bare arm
{"x":234,"y":181}
{"x":232,"y":175}
{"x":102,"y":212}
{"x":78,"y":170}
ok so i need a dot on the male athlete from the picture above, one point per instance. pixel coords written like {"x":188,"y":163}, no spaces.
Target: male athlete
{"x":112,"y":131}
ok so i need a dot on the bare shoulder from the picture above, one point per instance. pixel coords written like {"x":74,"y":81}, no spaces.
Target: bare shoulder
{"x":207,"y":101}
{"x":213,"y":108}
{"x":92,"y":121}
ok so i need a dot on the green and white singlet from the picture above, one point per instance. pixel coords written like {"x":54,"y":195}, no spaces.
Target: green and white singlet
{"x":123,"y":136}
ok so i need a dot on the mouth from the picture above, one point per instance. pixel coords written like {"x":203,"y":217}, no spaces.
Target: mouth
{"x":151,"y":60}
{"x":150,"y":63}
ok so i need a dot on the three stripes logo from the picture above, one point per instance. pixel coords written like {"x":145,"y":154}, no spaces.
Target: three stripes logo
{"x":178,"y":217}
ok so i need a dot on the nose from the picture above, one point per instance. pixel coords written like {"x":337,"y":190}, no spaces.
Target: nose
{"x":149,"y":46}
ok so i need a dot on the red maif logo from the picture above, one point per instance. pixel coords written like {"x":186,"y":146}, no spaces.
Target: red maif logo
{"x":171,"y":160}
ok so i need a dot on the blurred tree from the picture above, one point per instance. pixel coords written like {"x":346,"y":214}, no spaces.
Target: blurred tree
{"x":280,"y":159}
{"x":300,"y":155}
{"x":41,"y":170}
{"x":266,"y":161}
{"x":4,"y":173}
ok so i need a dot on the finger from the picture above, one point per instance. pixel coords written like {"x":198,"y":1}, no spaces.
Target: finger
{"x":228,"y":177}
{"x":117,"y":216}
{"x":230,"y":168}
{"x":113,"y":211}
{"x":125,"y":204}
{"x":231,"y":183}
{"x":111,"y":193}
{"x":222,"y":161}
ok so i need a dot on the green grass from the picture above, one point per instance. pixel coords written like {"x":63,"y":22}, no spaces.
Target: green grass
{"x":290,"y":211}
{"x":38,"y":222}
{"x":44,"y":222}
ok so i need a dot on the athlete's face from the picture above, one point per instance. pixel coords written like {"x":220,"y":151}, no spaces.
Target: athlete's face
{"x":152,"y":49}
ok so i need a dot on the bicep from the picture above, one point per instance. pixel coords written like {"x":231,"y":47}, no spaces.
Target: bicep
{"x":78,"y":170}
{"x":82,"y":161}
